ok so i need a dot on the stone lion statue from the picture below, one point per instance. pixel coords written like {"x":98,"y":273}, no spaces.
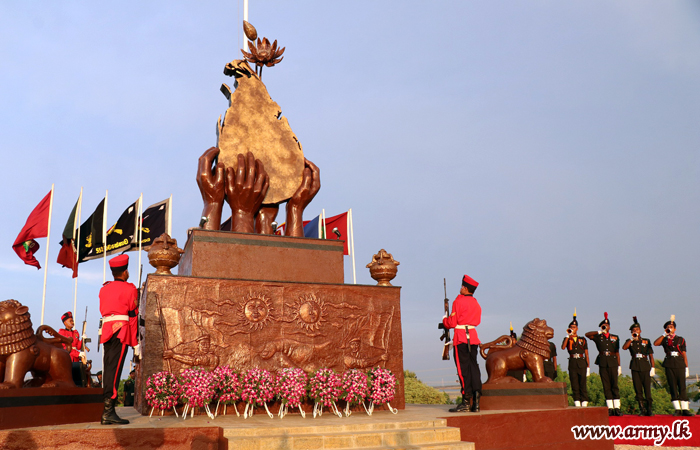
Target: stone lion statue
{"x":22,"y":350}
{"x":529,"y":352}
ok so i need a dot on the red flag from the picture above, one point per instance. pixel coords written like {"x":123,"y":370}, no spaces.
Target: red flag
{"x":66,"y":256}
{"x":37,"y":226}
{"x":341,"y":223}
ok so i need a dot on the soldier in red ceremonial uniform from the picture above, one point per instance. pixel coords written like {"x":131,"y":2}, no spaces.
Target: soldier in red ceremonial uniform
{"x":118,"y":306}
{"x":466,"y":315}
{"x":68,"y":331}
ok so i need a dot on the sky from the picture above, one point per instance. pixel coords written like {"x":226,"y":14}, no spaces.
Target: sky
{"x":550,"y":150}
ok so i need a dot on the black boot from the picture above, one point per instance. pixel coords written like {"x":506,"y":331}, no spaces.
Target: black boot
{"x":687,"y":413}
{"x":109,"y":416}
{"x":611,"y":412}
{"x":677,"y":412}
{"x":618,"y":412}
{"x":650,"y":410}
{"x":475,"y":401}
{"x":642,"y":408}
{"x":462,"y":407}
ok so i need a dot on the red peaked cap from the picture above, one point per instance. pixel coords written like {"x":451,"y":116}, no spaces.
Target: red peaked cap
{"x":119,"y":261}
{"x":66,"y":316}
{"x":469,"y":281}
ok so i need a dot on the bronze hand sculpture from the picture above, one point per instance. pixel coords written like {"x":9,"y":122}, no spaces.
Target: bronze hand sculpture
{"x":310,"y":185}
{"x":211,"y":185}
{"x":246,"y":188}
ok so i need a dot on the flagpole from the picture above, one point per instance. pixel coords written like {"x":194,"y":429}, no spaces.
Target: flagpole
{"x":322,"y":225}
{"x":77,"y":252}
{"x":170,"y":216}
{"x":245,"y":17}
{"x":46,"y":262}
{"x":139,"y":226}
{"x":104,"y":240}
{"x":352,"y":247}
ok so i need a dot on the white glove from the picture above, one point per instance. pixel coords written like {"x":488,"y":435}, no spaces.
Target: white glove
{"x":588,"y":372}
{"x":652,"y":372}
{"x":687,"y":372}
{"x":445,"y":316}
{"x":524,"y":377}
{"x":600,"y":331}
{"x":137,"y":350}
{"x":619,"y":371}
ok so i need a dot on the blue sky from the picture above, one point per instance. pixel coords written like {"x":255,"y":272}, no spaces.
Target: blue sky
{"x":550,"y":150}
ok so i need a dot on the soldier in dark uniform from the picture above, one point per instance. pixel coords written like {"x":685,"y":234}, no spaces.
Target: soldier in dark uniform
{"x":516,"y":373}
{"x":608,"y":362}
{"x":676,"y":365}
{"x":550,"y":364}
{"x":129,"y":389}
{"x":118,"y":306}
{"x":642,"y":366}
{"x":466,"y":315}
{"x":579,"y":368}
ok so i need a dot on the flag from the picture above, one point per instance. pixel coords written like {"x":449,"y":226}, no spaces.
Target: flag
{"x":341,"y":223}
{"x":37,"y":226}
{"x":120,"y":236}
{"x":91,"y":234}
{"x":66,"y":256}
{"x":154,"y":222}
{"x":313,"y":228}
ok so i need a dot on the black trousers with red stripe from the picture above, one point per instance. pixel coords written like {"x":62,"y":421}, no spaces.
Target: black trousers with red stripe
{"x":468,"y":369}
{"x":112,"y":365}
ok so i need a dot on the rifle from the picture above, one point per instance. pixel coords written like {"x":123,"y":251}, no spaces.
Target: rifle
{"x":446,"y":332}
{"x":84,"y":339}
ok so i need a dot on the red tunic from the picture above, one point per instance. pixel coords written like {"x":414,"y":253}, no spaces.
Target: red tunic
{"x":465,"y":311}
{"x":119,"y":298}
{"x":77,"y":344}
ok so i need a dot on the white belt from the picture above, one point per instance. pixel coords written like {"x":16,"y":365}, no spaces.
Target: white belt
{"x":114,"y":317}
{"x":674,"y":353}
{"x":465,"y":327}
{"x":639,"y":355}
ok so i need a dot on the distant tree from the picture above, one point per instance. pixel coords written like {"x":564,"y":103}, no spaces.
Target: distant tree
{"x":418,"y":392}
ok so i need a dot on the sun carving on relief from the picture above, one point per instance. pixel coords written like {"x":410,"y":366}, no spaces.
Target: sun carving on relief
{"x":256,"y":309}
{"x":309,"y":311}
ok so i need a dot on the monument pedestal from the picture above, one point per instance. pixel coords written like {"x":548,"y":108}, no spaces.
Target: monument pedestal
{"x":34,"y":407}
{"x":244,"y":311}
{"x":519,"y":396}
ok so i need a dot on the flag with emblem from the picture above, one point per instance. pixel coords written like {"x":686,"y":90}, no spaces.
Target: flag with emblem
{"x":154,"y":222}
{"x":91,"y":234}
{"x":37,"y":226}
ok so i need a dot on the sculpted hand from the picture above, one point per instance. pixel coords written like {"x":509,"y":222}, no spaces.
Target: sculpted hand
{"x":310,"y":185}
{"x":246,"y":188}
{"x":168,"y":354}
{"x":211,"y":186}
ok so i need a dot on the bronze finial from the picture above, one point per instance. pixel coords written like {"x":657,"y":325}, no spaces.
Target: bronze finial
{"x":261,"y":53}
{"x":383,"y":268}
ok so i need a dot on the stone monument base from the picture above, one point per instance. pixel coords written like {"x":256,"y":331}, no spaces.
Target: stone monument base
{"x":34,"y":407}
{"x":520,"y":396}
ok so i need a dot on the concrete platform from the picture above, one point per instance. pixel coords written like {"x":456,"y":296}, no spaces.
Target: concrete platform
{"x":416,"y":427}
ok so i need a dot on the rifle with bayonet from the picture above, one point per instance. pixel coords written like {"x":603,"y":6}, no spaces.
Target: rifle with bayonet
{"x":445,"y":331}
{"x":83,"y":336}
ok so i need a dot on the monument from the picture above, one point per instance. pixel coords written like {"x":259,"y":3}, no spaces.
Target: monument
{"x":249,"y":298}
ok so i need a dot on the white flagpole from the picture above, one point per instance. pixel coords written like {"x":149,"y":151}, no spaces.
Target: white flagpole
{"x":104,"y":240}
{"x":352,"y":247}
{"x":245,"y":17}
{"x":46,"y":261}
{"x":169,"y":228}
{"x":77,"y":249}
{"x":139,"y":221}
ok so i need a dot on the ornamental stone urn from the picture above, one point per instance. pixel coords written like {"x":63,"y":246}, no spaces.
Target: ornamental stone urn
{"x":164,"y":254}
{"x":383,"y":268}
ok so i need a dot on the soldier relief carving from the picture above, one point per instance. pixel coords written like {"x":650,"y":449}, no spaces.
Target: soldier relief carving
{"x":270,"y":331}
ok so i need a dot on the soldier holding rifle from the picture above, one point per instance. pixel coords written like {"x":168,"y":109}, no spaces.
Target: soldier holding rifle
{"x":465,"y":317}
{"x":69,"y":323}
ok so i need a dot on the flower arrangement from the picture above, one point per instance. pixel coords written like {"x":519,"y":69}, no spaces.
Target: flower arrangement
{"x":290,"y":389}
{"x":258,"y":389}
{"x":382,"y":387}
{"x":162,"y":392}
{"x":324,"y":389}
{"x":198,"y":390}
{"x":353,"y":389}
{"x":227,"y":388}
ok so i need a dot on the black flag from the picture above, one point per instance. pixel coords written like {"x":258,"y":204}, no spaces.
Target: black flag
{"x":91,"y":234}
{"x":154,"y":222}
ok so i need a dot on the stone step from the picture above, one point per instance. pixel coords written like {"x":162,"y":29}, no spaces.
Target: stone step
{"x":391,"y":438}
{"x":345,"y":426}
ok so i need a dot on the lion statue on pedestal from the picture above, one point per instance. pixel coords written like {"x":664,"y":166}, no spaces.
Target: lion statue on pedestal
{"x":529,"y":352}
{"x":22,"y":350}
